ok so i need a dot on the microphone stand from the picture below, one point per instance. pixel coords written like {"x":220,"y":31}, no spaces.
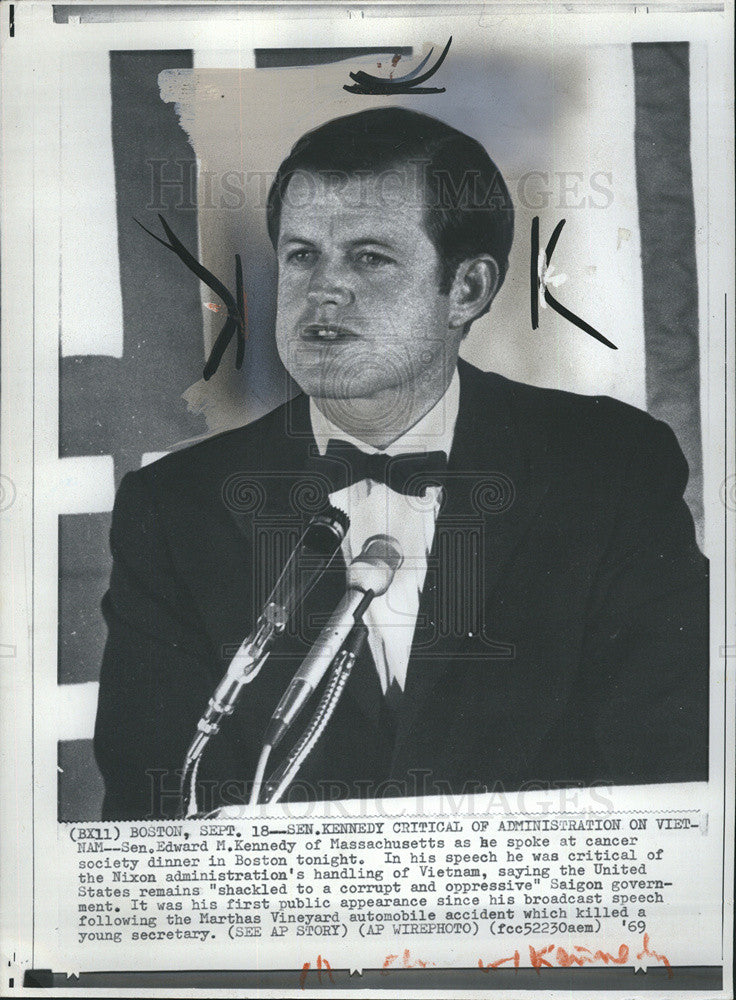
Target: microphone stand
{"x":244,"y":668}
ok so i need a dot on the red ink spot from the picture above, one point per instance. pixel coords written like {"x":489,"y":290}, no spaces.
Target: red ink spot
{"x":417,"y":963}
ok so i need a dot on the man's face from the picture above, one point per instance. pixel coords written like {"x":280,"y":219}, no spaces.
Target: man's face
{"x":359,"y":307}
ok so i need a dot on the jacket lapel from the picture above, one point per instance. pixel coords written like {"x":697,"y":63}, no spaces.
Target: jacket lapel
{"x":498,"y":477}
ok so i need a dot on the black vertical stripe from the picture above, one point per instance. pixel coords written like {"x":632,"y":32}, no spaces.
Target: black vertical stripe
{"x":667,"y":223}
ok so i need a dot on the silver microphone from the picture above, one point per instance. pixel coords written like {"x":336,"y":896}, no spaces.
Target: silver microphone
{"x":369,"y":575}
{"x":313,"y":553}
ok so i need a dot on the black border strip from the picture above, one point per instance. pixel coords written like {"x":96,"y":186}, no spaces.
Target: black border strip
{"x":700,"y":978}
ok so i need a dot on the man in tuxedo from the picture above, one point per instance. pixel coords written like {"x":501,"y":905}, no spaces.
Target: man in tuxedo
{"x":548,"y":625}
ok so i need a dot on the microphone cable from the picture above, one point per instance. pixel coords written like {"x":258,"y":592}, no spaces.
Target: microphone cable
{"x":338,"y":678}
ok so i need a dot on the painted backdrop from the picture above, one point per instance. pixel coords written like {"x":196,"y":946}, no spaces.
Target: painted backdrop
{"x":600,"y":137}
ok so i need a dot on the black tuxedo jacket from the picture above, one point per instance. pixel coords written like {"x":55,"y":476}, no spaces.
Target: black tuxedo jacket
{"x":562,"y":629}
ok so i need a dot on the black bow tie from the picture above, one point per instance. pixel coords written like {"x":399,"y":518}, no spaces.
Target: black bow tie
{"x":344,"y":464}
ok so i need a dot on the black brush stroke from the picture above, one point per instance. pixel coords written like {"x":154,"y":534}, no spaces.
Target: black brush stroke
{"x":367,"y":84}
{"x":355,"y":89}
{"x":235,"y":322}
{"x":536,"y":284}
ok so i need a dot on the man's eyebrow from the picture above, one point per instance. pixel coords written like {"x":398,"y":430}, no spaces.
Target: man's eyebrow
{"x":372,"y":241}
{"x":289,"y":239}
{"x":296,"y":239}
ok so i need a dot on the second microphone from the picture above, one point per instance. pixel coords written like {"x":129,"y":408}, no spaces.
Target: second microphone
{"x":369,"y":575}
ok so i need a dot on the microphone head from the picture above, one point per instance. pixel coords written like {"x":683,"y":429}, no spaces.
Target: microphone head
{"x":319,"y":543}
{"x":326,"y":531}
{"x":383,"y":547}
{"x":376,"y":565}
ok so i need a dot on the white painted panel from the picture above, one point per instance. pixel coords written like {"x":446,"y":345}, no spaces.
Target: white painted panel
{"x":91,"y":299}
{"x":85,"y":484}
{"x":76,"y":711}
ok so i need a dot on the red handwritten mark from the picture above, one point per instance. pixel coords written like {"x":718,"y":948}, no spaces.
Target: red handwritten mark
{"x":321,"y":963}
{"x":654,"y":954}
{"x":406,"y":962}
{"x":579,"y":955}
{"x":586,"y":957}
{"x":537,"y":957}
{"x":213,"y":306}
{"x":501,"y":961}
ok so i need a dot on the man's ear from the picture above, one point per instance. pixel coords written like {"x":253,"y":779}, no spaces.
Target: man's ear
{"x":473,"y":289}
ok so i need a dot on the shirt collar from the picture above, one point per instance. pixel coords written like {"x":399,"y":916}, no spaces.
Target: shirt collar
{"x":434,"y":432}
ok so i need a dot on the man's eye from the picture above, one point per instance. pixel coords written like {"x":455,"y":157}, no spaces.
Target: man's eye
{"x":300,"y":256}
{"x":373,"y":259}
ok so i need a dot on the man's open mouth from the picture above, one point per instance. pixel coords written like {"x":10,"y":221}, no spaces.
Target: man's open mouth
{"x":326,"y":332}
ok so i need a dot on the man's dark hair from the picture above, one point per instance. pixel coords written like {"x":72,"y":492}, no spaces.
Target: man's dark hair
{"x":468,"y":209}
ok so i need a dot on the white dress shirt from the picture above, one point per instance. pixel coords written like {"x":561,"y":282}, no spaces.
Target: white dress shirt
{"x":374,"y":509}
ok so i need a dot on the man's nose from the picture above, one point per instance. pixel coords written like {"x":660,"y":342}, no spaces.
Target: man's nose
{"x":329,"y":285}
